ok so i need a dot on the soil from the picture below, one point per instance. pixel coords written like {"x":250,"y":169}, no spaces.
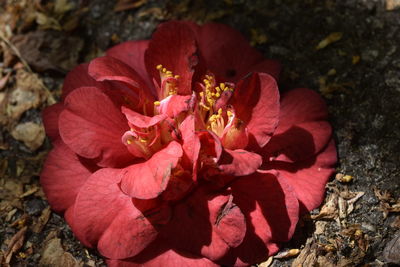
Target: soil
{"x":347,"y":50}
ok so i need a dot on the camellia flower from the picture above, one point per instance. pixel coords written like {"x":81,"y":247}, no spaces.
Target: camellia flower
{"x":180,"y":151}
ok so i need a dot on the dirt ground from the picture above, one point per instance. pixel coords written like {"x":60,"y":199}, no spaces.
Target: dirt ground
{"x":347,"y":50}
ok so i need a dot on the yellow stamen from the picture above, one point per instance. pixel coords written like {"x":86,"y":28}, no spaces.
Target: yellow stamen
{"x":129,"y":142}
{"x":157,"y":103}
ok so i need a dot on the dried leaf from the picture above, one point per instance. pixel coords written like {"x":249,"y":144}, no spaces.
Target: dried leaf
{"x":128,"y":4}
{"x":54,"y":255}
{"x":15,"y":244}
{"x":287,"y":254}
{"x":42,"y":221}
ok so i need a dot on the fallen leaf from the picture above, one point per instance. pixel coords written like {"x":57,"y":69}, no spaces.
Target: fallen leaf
{"x":128,"y":4}
{"x":42,"y":221}
{"x":15,"y":244}
{"x":54,"y":255}
{"x":287,"y":254}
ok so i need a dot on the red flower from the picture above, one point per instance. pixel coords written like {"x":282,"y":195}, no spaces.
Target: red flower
{"x":178,"y":151}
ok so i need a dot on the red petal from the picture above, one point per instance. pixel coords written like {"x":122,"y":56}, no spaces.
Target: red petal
{"x":299,"y":142}
{"x":111,"y":69}
{"x":269,"y":66}
{"x":62,"y":176}
{"x":149,"y":179}
{"x":132,"y":54}
{"x":200,"y":211}
{"x":259,"y":91}
{"x":271,"y":209}
{"x":78,"y":77}
{"x":227,"y":53}
{"x":158,"y":254}
{"x":191,"y":142}
{"x":142,"y":121}
{"x":308,"y":178}
{"x":92,"y":127}
{"x":173,"y":46}
{"x":50,"y":120}
{"x":301,"y":105}
{"x":173,"y":105}
{"x":239,"y":162}
{"x":104,"y":214}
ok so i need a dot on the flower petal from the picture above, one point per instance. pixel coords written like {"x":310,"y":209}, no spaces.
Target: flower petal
{"x":309,"y":177}
{"x":268,"y":66}
{"x":50,"y":120}
{"x":92,"y":126}
{"x":173,"y":105}
{"x":62,"y":176}
{"x":299,"y":142}
{"x":105,"y":215}
{"x":141,"y":121}
{"x":271,"y":209}
{"x":301,"y":105}
{"x":111,"y":69}
{"x":173,"y":46}
{"x":132,"y":54}
{"x":216,"y":228}
{"x":78,"y":77}
{"x":159,"y":254}
{"x":259,"y":91}
{"x":227,"y":53}
{"x":239,"y":162}
{"x":149,"y":179}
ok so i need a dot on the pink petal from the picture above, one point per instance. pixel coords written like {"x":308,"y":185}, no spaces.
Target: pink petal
{"x":173,"y":46}
{"x":200,"y":212}
{"x":259,"y":91}
{"x":142,"y":121}
{"x":191,"y":142}
{"x":105,"y":215}
{"x":174,"y":105}
{"x":227,"y":53}
{"x":92,"y":126}
{"x":111,"y":69}
{"x":149,"y":179}
{"x":78,"y":77}
{"x":158,"y":254}
{"x":299,"y":142}
{"x":50,"y":120}
{"x":301,"y":105}
{"x":239,"y":162}
{"x":308,"y":178}
{"x":62,"y":176}
{"x":132,"y":54}
{"x":271,"y":209}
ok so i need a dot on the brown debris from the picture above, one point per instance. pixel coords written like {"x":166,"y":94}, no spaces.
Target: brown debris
{"x":55,"y":255}
{"x":331,"y":38}
{"x":15,"y":244}
{"x":123,"y":5}
{"x":387,"y":203}
{"x":391,"y":252}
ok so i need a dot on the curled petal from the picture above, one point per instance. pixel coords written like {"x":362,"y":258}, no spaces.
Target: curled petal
{"x":141,"y":121}
{"x":239,"y":162}
{"x":260,"y":92}
{"x":132,"y":54}
{"x":149,"y":179}
{"x":173,"y":105}
{"x":92,"y":126}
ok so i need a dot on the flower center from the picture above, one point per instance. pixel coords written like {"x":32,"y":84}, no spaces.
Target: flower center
{"x":169,"y":82}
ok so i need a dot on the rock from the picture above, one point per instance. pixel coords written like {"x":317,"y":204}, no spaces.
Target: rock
{"x":31,"y":134}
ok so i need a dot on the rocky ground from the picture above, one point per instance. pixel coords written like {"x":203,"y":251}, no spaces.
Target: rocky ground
{"x":347,"y":50}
